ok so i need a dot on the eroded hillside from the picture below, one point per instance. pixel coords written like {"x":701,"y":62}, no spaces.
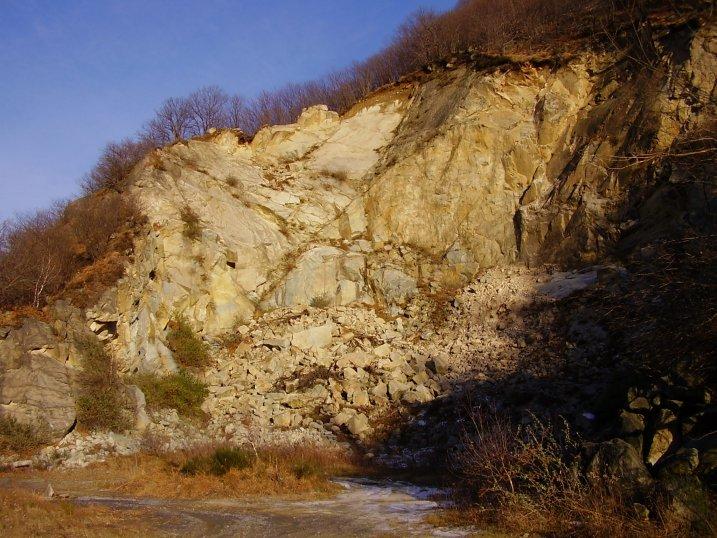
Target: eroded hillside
{"x":348,"y":271}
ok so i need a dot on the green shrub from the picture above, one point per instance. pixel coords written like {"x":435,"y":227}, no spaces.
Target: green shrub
{"x":224,"y":459}
{"x":102,"y":403}
{"x":306,"y":469}
{"x":192,"y":227}
{"x":181,"y":391}
{"x":187,"y":347}
{"x":219,"y":462}
{"x":322,"y":301}
{"x":19,"y":437}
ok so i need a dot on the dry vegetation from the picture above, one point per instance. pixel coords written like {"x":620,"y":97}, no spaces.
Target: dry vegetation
{"x":102,"y":402}
{"x":40,"y":254}
{"x":217,"y":472}
{"x":192,"y":229}
{"x":528,"y":479}
{"x":19,"y":438}
{"x":27,"y":514}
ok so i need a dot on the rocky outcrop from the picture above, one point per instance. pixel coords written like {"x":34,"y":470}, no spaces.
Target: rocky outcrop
{"x":35,"y":383}
{"x":373,"y":265}
{"x":450,"y":173}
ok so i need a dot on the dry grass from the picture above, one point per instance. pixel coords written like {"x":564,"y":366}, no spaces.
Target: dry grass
{"x":15,"y":317}
{"x":322,"y":301}
{"x":527,"y":479}
{"x":274,"y":471}
{"x":192,"y":229}
{"x":339,"y":175}
{"x":449,"y":284}
{"x":27,"y":514}
{"x":19,"y":438}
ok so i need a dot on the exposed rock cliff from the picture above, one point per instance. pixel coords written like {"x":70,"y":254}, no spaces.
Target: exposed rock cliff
{"x":377,"y":260}
{"x":455,"y":172}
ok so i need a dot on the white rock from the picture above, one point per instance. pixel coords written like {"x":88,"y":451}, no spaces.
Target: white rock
{"x":313,"y":337}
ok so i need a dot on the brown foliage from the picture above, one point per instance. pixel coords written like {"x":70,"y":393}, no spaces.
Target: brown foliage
{"x":25,"y":513}
{"x":192,"y":225}
{"x":287,"y":470}
{"x":115,"y":164}
{"x":41,"y":253}
{"x":528,"y":479}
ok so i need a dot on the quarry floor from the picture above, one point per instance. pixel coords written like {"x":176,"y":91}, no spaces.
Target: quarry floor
{"x":363,"y":507}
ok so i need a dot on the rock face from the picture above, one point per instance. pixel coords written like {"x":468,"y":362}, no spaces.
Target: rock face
{"x":35,"y":384}
{"x":456,"y":172}
{"x":327,"y":249}
{"x":39,"y":392}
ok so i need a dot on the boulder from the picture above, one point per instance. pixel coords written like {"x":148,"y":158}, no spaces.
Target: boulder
{"x":439,"y":364}
{"x":313,"y":337}
{"x":283,"y":420}
{"x":32,"y":336}
{"x":141,"y":418}
{"x":39,"y":392}
{"x":395,"y":285}
{"x":396,"y":389}
{"x":659,"y":445}
{"x":682,"y":463}
{"x":358,"y":424}
{"x":618,"y":459}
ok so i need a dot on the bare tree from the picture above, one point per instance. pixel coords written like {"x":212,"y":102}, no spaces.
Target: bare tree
{"x":237,"y":113}
{"x":40,"y":253}
{"x":115,"y":164}
{"x":172,"y":121}
{"x":207,"y":108}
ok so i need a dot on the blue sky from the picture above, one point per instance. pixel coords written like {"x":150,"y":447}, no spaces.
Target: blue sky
{"x":77,"y":74}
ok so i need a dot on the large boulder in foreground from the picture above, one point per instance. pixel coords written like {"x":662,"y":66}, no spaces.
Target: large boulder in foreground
{"x":35,"y":384}
{"x":39,"y":393}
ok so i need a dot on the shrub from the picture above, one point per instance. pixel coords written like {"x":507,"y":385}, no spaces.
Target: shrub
{"x":181,"y":391}
{"x":102,"y":403}
{"x":339,"y":175}
{"x":40,"y":254}
{"x":321,"y":301}
{"x":527,"y":479}
{"x":306,"y":469}
{"x":19,"y":437}
{"x":192,"y":227}
{"x":219,"y":462}
{"x":187,"y":347}
{"x":115,"y":164}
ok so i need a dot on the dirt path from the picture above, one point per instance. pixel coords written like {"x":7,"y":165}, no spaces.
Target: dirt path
{"x":364,"y":508}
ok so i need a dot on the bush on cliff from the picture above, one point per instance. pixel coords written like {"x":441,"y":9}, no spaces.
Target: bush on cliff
{"x":187,"y":347}
{"x":42,"y":255}
{"x":102,"y":403}
{"x":181,"y":391}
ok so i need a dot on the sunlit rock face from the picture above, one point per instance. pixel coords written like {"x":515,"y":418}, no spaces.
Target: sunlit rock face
{"x":455,"y":172}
